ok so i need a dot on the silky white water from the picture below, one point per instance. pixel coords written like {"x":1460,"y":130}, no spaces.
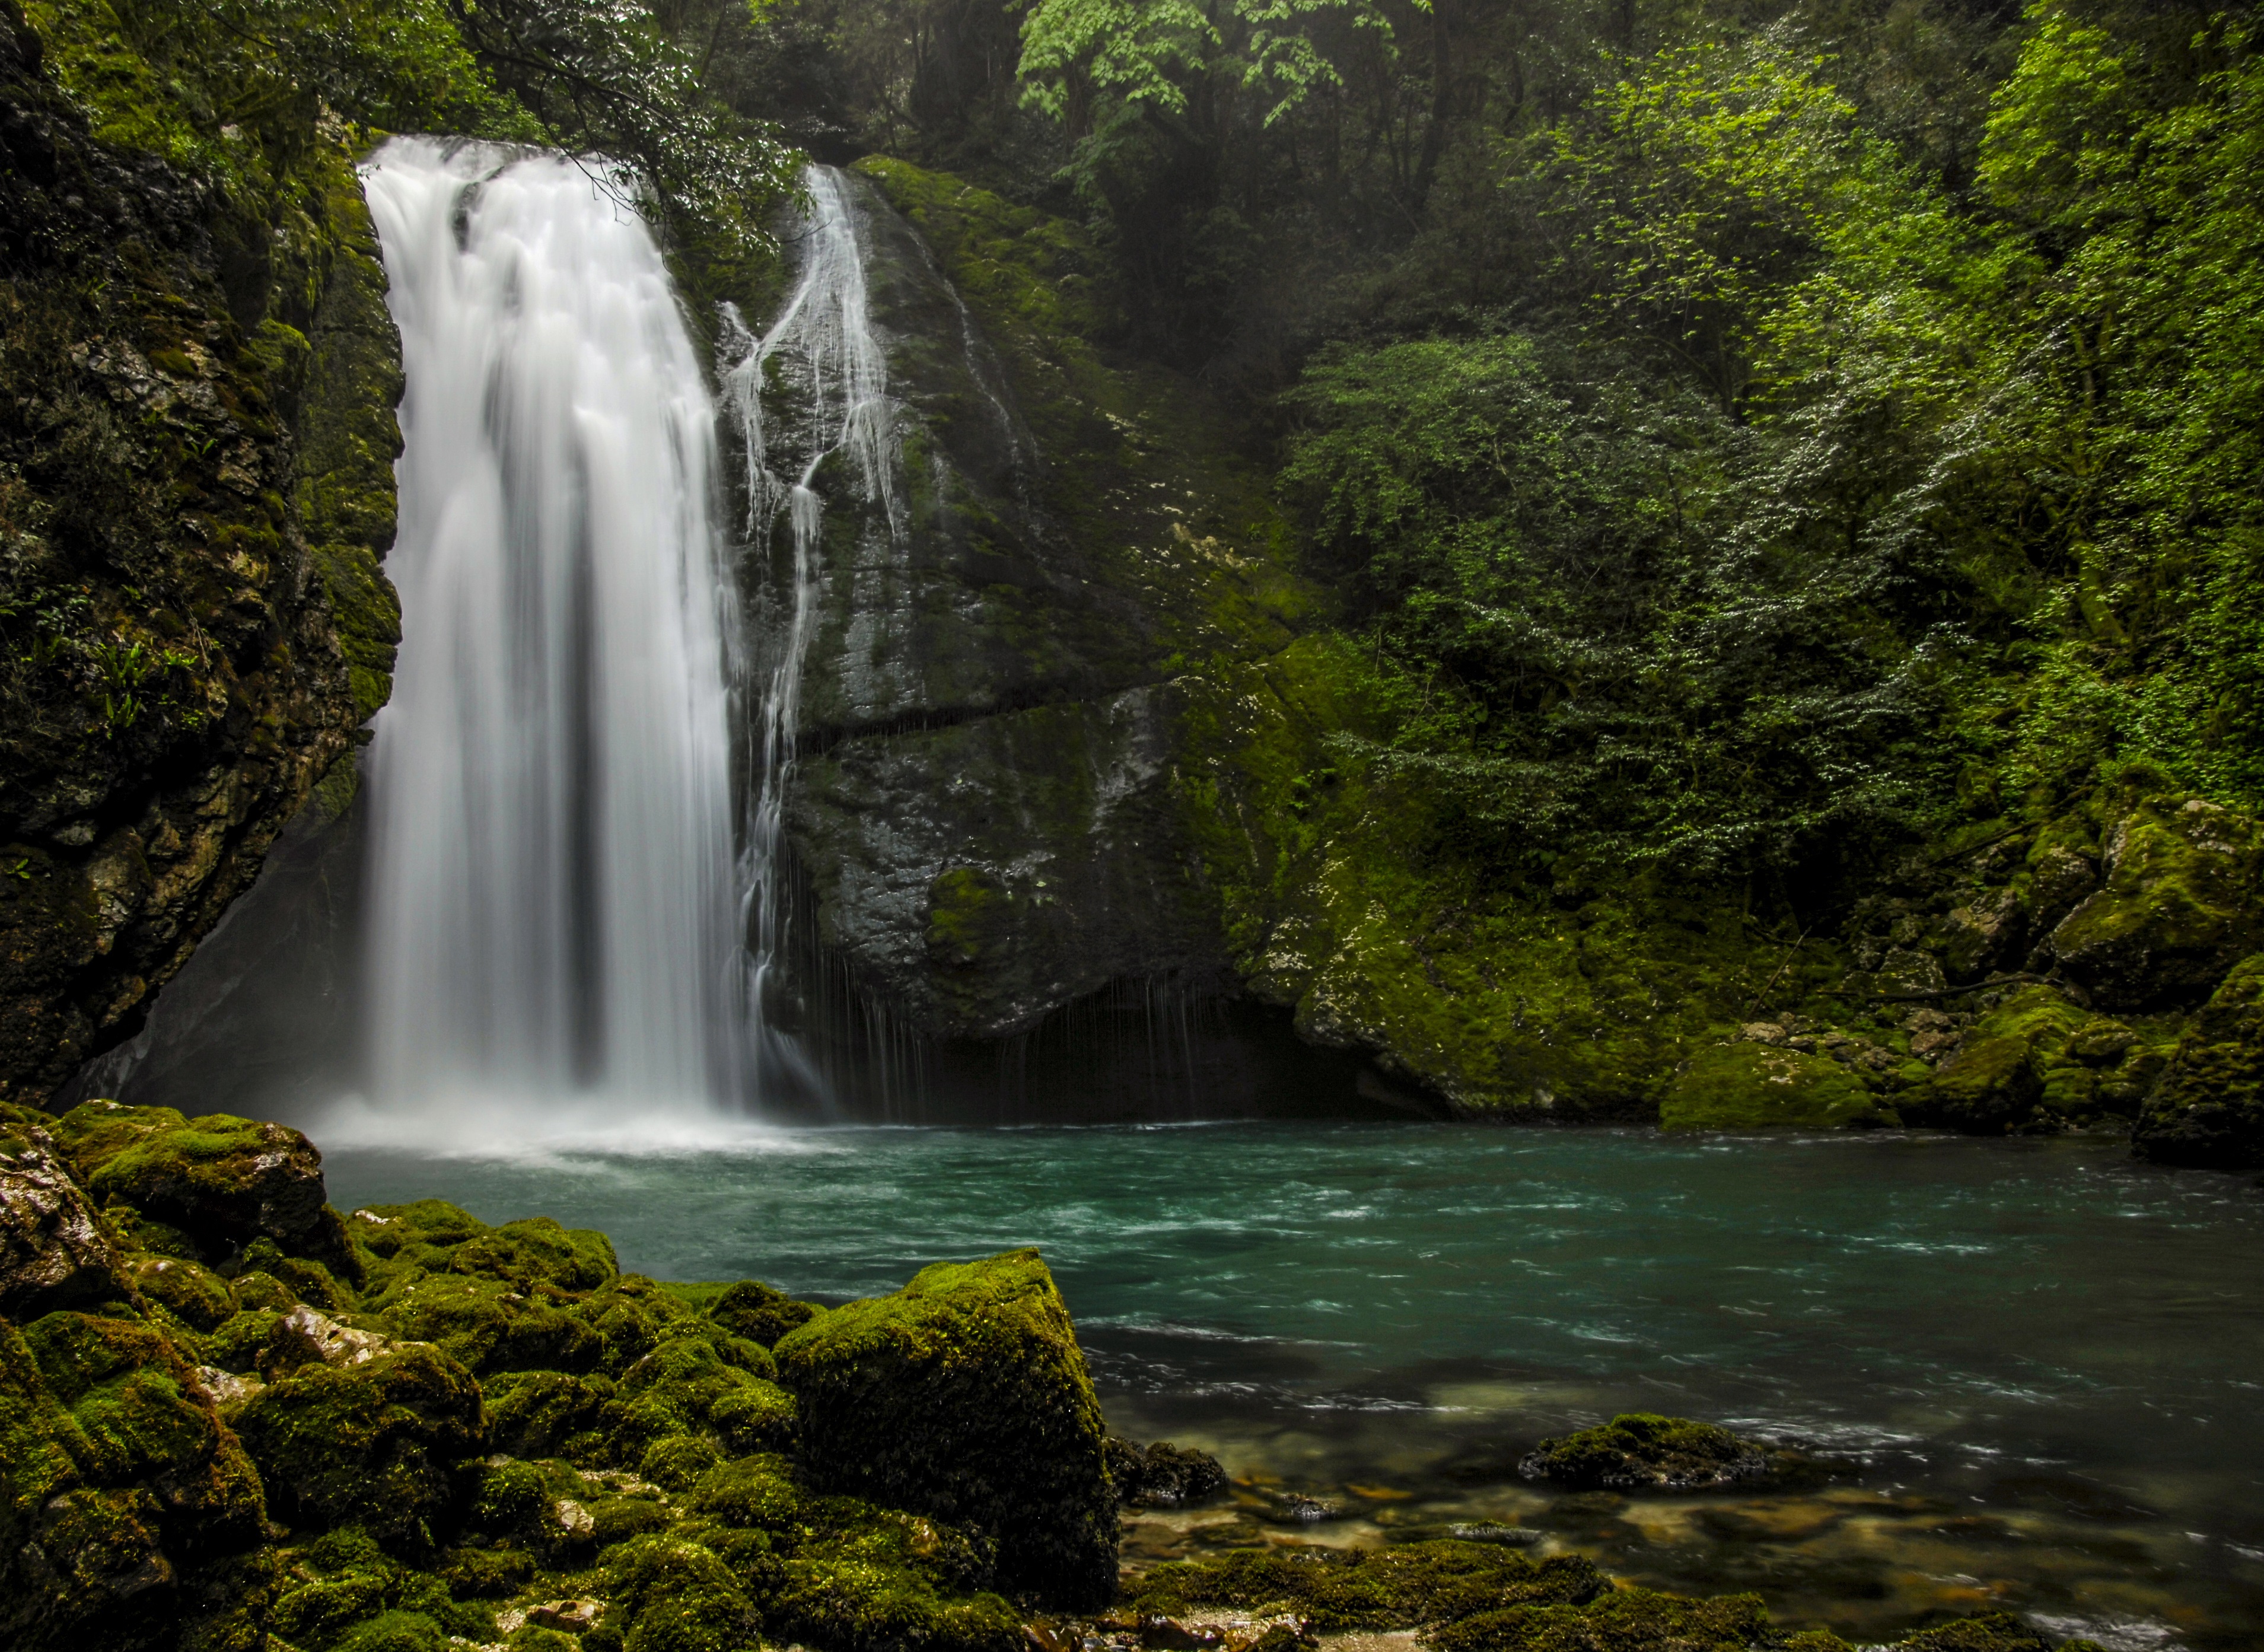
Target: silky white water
{"x":554,"y":889}
{"x":824,"y":375}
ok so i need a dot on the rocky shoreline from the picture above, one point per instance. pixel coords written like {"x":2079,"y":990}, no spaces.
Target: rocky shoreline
{"x":233,"y":1419}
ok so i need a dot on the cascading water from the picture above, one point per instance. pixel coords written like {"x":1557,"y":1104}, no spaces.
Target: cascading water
{"x":554,"y":882}
{"x":829,"y":375}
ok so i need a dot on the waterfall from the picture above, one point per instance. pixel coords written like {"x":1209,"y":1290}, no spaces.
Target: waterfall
{"x":554,"y":892}
{"x":827,"y":374}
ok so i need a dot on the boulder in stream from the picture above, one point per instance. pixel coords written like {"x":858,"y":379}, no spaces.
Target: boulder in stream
{"x":1642,"y":1451}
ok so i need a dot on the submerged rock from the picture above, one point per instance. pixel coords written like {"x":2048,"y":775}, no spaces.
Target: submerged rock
{"x":1396,"y":1588}
{"x":1642,"y":1451}
{"x":2207,"y":1110}
{"x":965,"y":1396}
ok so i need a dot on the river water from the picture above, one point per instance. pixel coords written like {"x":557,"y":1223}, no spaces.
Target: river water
{"x":2029,"y":1371}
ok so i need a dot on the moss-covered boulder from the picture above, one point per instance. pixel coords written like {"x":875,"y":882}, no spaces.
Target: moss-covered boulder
{"x":2182,"y":901}
{"x":2207,"y":1110}
{"x":965,"y":1396}
{"x":1996,"y":1081}
{"x":223,"y":1181}
{"x":1750,"y":1086}
{"x":378,"y":1440}
{"x":54,"y":1252}
{"x":1640,"y":1450}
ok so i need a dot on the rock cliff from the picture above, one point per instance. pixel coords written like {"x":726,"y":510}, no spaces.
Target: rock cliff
{"x":196,"y":438}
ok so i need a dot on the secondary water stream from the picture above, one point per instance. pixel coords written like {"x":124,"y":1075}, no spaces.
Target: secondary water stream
{"x":2031,"y":1367}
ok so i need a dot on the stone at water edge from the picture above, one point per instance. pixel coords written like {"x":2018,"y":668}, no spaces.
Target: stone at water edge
{"x":964,"y":1396}
{"x":1162,"y":1474}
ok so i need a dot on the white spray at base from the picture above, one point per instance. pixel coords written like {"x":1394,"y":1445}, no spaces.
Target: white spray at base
{"x":823,"y":354}
{"x":553,"y":943}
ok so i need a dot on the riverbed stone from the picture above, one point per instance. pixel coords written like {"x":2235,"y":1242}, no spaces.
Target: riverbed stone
{"x":964,"y":1396}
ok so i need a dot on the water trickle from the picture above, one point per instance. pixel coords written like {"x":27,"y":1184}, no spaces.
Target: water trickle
{"x":826,"y":375}
{"x":554,"y":880}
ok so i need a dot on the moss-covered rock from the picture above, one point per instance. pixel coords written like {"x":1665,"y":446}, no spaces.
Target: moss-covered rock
{"x":965,"y":1396}
{"x":1640,"y":1450}
{"x":1621,"y":1620}
{"x":1995,"y":1081}
{"x":1755,"y":1086}
{"x":1162,"y":1474}
{"x":377,"y":1442}
{"x":2208,"y":1110}
{"x":223,"y":1181}
{"x":55,"y":1250}
{"x":2180,"y":905}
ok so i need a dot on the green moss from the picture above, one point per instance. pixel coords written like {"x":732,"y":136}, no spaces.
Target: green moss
{"x":377,"y":1443}
{"x":550,"y":1413}
{"x":1995,"y":1081}
{"x":2208,"y":1109}
{"x":1754,"y":1086}
{"x":1998,"y":1632}
{"x":669,"y":1595}
{"x":192,"y":1292}
{"x":1621,"y":1620}
{"x":1644,"y":1449}
{"x":1396,"y":1588}
{"x":759,"y":1312}
{"x":965,"y":1396}
{"x":2179,"y":906}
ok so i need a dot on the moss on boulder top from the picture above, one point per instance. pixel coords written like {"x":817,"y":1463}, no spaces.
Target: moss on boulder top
{"x":1640,"y":1450}
{"x":965,"y":1396}
{"x":2178,"y":907}
{"x":221,"y":1180}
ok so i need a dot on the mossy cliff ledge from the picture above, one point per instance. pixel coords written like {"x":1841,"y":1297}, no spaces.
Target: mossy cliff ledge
{"x":234,"y":1420}
{"x":196,"y":440}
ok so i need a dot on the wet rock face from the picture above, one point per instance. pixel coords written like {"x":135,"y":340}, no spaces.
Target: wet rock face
{"x":986,"y":810}
{"x":54,"y":1253}
{"x":172,"y":678}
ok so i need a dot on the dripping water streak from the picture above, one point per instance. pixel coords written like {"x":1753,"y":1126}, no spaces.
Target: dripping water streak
{"x":823,"y":354}
{"x":552,"y":877}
